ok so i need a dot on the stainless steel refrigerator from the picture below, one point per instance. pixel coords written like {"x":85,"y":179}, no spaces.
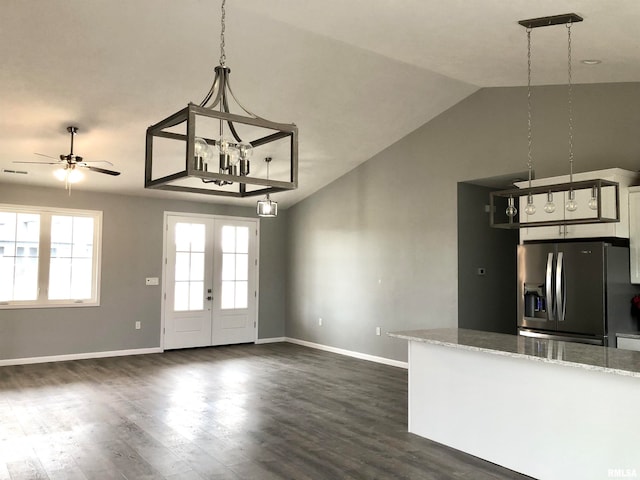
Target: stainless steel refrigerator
{"x":575,"y":291}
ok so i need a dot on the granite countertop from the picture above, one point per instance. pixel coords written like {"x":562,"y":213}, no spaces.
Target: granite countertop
{"x":629,"y":335}
{"x":590,"y":357}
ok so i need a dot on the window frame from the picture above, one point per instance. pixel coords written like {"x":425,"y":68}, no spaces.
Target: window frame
{"x":44,"y":257}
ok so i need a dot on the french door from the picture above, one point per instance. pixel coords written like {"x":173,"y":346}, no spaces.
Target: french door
{"x":210,"y":287}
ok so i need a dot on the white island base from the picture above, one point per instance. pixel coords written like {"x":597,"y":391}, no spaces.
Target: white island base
{"x":526,"y":404}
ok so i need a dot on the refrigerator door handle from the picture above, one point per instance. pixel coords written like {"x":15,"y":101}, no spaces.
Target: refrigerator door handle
{"x":549,"y":287}
{"x":560,"y":297}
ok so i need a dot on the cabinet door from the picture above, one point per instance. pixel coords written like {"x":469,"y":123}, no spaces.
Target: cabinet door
{"x":634,"y":235}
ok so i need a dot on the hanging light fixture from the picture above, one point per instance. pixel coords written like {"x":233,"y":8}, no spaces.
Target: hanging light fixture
{"x":218,"y":144}
{"x":267,"y":207}
{"x":567,"y":189}
{"x":571,"y":204}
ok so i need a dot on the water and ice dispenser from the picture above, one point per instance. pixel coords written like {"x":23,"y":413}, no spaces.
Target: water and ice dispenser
{"x":535,"y":301}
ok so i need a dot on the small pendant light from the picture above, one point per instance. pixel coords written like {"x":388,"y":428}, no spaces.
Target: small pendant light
{"x":267,"y":207}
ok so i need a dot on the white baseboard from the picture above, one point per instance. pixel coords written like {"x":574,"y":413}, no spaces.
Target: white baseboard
{"x":349,"y":353}
{"x":271,"y":340}
{"x":78,"y":356}
{"x":144,"y":351}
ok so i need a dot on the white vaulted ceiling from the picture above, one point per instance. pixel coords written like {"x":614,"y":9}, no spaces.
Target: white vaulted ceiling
{"x":355,"y":76}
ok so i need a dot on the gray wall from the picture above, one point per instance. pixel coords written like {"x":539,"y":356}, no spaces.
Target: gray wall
{"x":378,"y":247}
{"x":131,"y":251}
{"x":485,"y":302}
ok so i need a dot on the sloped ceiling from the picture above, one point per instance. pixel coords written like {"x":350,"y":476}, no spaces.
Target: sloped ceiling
{"x":354,"y":76}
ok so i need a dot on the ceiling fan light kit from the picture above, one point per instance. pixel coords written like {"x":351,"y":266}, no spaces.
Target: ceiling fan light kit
{"x":513,"y":220}
{"x":207,"y":149}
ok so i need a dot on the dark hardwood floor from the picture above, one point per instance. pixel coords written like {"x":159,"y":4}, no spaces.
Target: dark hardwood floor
{"x":275,"y":411}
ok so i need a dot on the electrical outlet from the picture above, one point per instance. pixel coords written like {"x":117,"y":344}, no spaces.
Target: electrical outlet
{"x":378,"y":331}
{"x":137,"y":325}
{"x":320,"y":321}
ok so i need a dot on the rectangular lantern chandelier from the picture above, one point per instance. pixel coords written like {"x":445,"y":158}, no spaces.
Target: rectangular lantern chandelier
{"x":208,"y":149}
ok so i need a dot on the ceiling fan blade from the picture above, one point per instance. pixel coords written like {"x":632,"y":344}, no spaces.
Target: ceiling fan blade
{"x":101,"y":170}
{"x":40,"y":163}
{"x":97,"y":161}
{"x":43,"y":155}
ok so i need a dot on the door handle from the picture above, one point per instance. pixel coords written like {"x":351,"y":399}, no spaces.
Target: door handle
{"x":549,"y":287}
{"x":560,"y":298}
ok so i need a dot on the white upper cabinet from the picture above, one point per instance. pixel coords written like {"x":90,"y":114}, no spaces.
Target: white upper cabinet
{"x":624,"y":178}
{"x":634,"y":233}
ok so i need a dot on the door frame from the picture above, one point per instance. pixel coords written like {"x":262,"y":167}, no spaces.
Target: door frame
{"x":165,"y":230}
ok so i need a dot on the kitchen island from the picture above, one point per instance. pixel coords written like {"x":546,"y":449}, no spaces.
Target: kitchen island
{"x":545,"y":408}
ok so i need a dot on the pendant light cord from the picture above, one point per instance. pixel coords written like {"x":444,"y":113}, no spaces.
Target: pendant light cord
{"x":529,"y":129}
{"x":223,"y":55}
{"x":570,"y":102}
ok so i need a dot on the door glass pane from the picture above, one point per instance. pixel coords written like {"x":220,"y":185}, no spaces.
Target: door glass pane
{"x":181,"y":297}
{"x":196,"y":296}
{"x":228,"y":238}
{"x":235,"y":266}
{"x":197,"y":237}
{"x":183,"y":237}
{"x":242,"y":239}
{"x":197,"y":267}
{"x":241,"y":295}
{"x":19,"y":244}
{"x":190,"y":266}
{"x":227,"y":296}
{"x":183,"y":261}
{"x":242,"y":267}
{"x":228,"y":266}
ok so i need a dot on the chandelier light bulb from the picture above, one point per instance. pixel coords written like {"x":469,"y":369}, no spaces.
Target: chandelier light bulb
{"x":234,"y":155}
{"x":202,"y":152}
{"x":572,"y":205}
{"x":593,"y":201}
{"x":200,"y":147}
{"x":245,"y":150}
{"x":549,"y":207}
{"x":223,"y":145}
{"x":511,"y":210}
{"x":530,"y":209}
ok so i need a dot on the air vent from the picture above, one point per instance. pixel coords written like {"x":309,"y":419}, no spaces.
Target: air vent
{"x":20,"y":172}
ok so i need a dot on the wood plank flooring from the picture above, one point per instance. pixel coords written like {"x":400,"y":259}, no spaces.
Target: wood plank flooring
{"x":275,"y":411}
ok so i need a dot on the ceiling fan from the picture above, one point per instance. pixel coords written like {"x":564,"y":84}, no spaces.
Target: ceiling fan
{"x":68,"y":163}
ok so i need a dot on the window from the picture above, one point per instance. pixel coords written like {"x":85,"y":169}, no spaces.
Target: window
{"x":49,"y":257}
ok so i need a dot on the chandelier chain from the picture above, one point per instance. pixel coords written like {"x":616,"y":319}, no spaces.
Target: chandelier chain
{"x":570,"y":102}
{"x":529,"y":129}
{"x":223,"y":55}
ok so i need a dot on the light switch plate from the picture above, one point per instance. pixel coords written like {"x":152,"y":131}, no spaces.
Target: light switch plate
{"x":151,"y":281}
